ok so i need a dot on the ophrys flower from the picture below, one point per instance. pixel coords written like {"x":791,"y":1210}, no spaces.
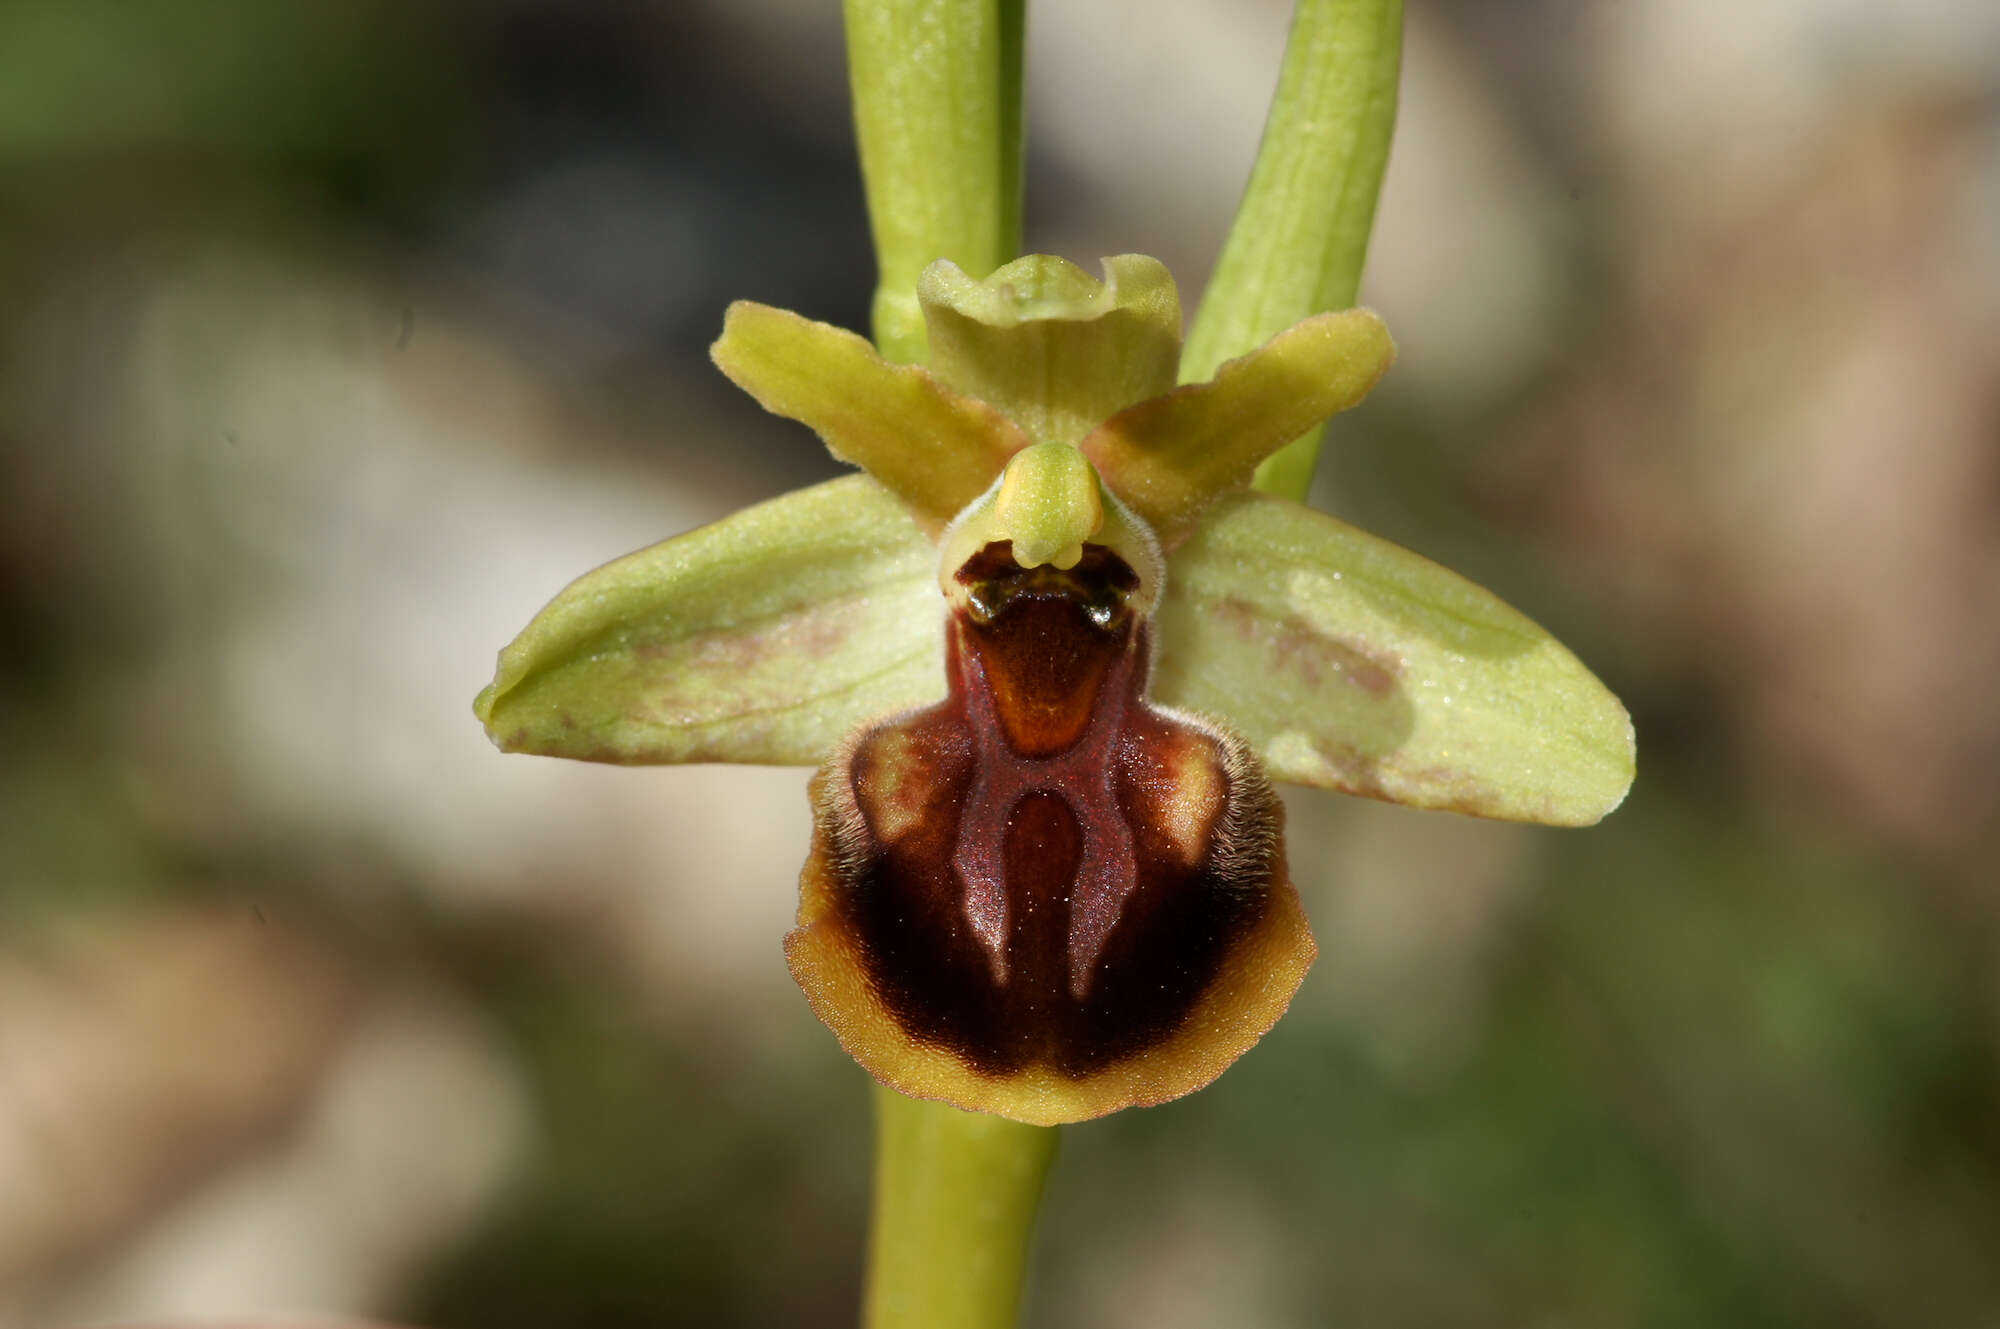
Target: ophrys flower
{"x":1045,"y":652}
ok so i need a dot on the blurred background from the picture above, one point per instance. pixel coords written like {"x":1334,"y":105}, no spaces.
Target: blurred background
{"x":336,"y":337}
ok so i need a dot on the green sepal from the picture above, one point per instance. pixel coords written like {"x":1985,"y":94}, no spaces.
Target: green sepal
{"x":1052,"y":347}
{"x":1353,"y":664}
{"x":1169,"y":457}
{"x":932,"y":447}
{"x":762,"y":638}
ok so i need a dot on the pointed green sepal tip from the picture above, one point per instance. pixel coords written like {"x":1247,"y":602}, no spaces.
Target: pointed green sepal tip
{"x":935,"y":449}
{"x":1056,"y":350}
{"x":1352,"y":664}
{"x":762,"y":638}
{"x":1171,"y":455}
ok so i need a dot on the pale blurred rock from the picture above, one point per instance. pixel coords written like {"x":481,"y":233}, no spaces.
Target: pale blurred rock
{"x":135,"y":1058}
{"x":1466,"y":257}
{"x":1148,"y":114}
{"x":378,"y":520}
{"x":415,"y":1127}
{"x":1709,"y":108}
{"x":1785,"y":467}
{"x":1463,"y":262}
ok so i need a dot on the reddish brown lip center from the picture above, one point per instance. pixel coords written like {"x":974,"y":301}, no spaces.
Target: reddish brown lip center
{"x":1044,"y":867}
{"x":1044,"y":639}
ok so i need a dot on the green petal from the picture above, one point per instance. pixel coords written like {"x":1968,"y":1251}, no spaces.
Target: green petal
{"x":1052,"y":347}
{"x":1170,"y":456}
{"x":1352,"y":664}
{"x":762,"y":638}
{"x":931,"y":447}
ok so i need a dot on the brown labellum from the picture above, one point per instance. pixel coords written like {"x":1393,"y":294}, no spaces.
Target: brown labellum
{"x":1046,"y":897}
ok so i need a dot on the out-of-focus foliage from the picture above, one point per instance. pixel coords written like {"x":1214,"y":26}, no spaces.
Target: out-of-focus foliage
{"x":333,"y":338}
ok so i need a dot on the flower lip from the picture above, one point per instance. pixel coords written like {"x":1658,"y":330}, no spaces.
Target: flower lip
{"x":1046,"y":896}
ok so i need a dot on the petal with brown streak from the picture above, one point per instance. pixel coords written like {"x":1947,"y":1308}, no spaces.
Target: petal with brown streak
{"x":1353,"y":664}
{"x":764,"y":637}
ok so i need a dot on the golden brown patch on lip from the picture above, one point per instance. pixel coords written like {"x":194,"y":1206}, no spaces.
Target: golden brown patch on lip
{"x":1045,"y":897}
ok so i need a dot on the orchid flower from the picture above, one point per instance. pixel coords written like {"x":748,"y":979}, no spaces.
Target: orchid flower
{"x":1048,"y":650}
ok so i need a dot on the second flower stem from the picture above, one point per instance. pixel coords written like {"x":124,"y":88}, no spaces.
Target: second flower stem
{"x":937,"y":114}
{"x":1301,"y":232}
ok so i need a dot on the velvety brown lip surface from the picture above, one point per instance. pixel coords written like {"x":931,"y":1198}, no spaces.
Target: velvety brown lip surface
{"x":1044,"y":873}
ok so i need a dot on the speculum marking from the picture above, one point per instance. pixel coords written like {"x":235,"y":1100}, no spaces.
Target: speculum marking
{"x":1038,"y":903}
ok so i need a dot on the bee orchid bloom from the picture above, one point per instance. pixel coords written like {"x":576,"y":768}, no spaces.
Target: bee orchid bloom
{"x":1047,"y":653}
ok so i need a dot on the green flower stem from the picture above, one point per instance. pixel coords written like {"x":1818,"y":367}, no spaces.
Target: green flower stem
{"x":955,"y":1200}
{"x":1300,"y":236}
{"x":937,"y":109}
